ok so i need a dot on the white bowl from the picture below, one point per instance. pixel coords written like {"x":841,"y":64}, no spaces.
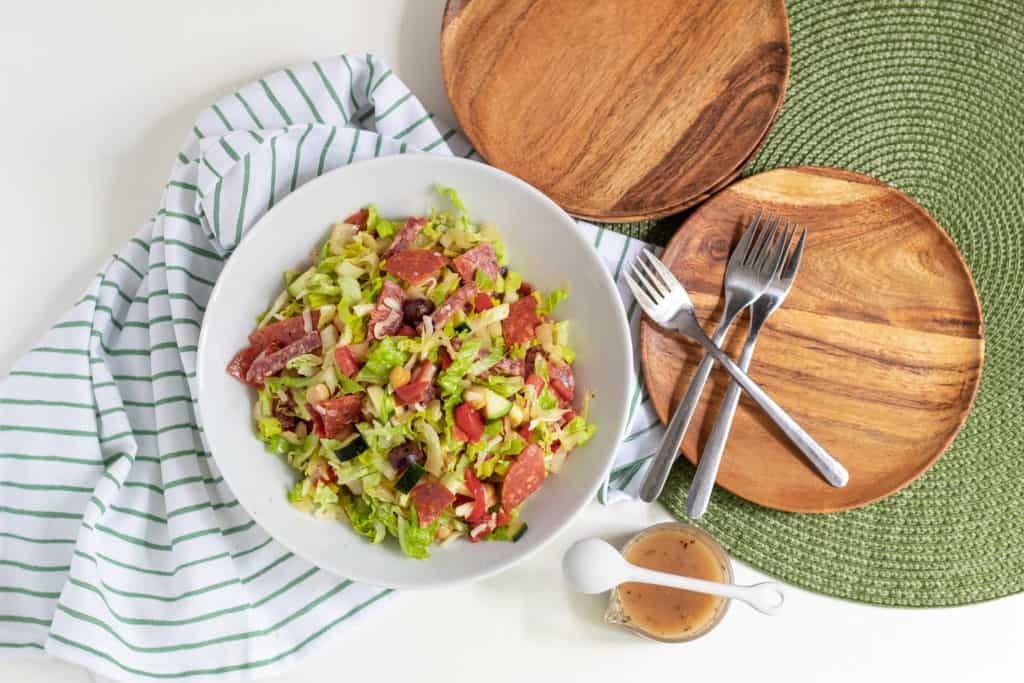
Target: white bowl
{"x":542,"y":243}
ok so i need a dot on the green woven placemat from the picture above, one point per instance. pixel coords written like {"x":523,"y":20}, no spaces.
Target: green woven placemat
{"x":929,"y":97}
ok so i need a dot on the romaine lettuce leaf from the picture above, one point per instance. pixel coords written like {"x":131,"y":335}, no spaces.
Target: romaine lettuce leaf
{"x":413,"y":539}
{"x":450,"y":380}
{"x":383,"y":356}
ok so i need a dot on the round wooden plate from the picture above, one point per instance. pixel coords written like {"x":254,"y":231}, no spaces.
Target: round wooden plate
{"x":618,"y":110}
{"x":877,"y":350}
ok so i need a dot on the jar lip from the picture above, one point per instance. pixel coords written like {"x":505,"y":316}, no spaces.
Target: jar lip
{"x":613,"y":614}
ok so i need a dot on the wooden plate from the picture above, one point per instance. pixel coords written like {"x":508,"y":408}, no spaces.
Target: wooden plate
{"x":877,"y":350}
{"x":618,"y":110}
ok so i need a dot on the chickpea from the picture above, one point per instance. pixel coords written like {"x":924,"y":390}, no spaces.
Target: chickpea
{"x":317,"y":393}
{"x":399,"y":377}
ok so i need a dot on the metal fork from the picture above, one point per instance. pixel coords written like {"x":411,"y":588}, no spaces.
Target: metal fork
{"x":707,"y":468}
{"x":664,"y":300}
{"x":748,"y":273}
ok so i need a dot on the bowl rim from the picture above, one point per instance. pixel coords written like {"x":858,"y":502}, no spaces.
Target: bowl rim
{"x":615,"y":319}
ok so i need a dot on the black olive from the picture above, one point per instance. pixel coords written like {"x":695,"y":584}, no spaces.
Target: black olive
{"x":414,"y":310}
{"x":504,"y":271}
{"x":403,"y":455}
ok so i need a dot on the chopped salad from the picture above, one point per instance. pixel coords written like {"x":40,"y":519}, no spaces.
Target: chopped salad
{"x":420,"y":388}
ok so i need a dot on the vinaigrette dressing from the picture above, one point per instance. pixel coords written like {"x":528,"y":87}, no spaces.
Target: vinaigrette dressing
{"x":671,"y":614}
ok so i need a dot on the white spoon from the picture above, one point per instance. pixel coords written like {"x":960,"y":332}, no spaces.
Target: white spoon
{"x":594,"y":566}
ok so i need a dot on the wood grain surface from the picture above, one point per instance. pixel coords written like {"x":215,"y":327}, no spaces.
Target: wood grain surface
{"x":877,"y":350}
{"x":617,"y":109}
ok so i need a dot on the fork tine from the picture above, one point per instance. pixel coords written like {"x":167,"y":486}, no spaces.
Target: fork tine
{"x":764,"y":240}
{"x":648,"y":278}
{"x":787,"y":242}
{"x":789,"y":271}
{"x":640,"y":295}
{"x":773,"y":258}
{"x":743,"y":246}
{"x":767,"y":247}
{"x":670,"y":280}
{"x":640,"y":278}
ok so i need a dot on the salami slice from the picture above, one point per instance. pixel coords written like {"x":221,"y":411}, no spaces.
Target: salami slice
{"x":338,"y":414}
{"x":430,"y":499}
{"x":455,"y":302}
{"x":406,"y":236}
{"x":523,"y":478}
{"x":414,"y":265}
{"x":283,"y":332}
{"x":520,"y":325}
{"x":266,"y":364}
{"x":240,"y":364}
{"x":509,"y":367}
{"x":480,"y":257}
{"x":346,"y":360}
{"x":386,"y":318}
{"x":562,"y":379}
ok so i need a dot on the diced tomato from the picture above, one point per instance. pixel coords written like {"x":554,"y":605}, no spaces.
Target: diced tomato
{"x":458,"y":434}
{"x":346,"y":361}
{"x":323,"y":472}
{"x":405,"y":331}
{"x":424,"y":372}
{"x":482,"y":302}
{"x":567,"y":416}
{"x":537,"y":382}
{"x":414,"y":392}
{"x":469,"y":421}
{"x":444,"y":359}
{"x":479,"y":498}
{"x":359,"y":218}
{"x":525,"y":434}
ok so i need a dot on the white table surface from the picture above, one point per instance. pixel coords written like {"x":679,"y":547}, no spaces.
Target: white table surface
{"x":97,"y":98}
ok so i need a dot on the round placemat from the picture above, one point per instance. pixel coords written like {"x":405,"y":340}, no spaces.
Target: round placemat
{"x":925,"y":97}
{"x":617,"y":110}
{"x":876,"y":350}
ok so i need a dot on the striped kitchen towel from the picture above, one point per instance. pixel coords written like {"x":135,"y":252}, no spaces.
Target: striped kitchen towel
{"x":121,"y":547}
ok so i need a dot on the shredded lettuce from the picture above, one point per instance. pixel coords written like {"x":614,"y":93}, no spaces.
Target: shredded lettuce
{"x":381,"y":437}
{"x":552,"y":300}
{"x":453,"y":196}
{"x":413,"y":539}
{"x":484,"y":281}
{"x":307,"y":364}
{"x":269,"y":427}
{"x":504,"y":386}
{"x":370,"y":517}
{"x":451,"y":379}
{"x":383,"y":356}
{"x":383,"y":227}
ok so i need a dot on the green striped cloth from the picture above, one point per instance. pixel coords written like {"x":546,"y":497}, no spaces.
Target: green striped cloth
{"x":121,"y":546}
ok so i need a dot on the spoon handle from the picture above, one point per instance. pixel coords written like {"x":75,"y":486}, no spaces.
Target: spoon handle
{"x":767,"y":597}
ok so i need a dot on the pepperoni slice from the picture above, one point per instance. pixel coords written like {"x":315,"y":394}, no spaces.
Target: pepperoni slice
{"x":338,"y":414}
{"x":523,"y":478}
{"x":406,"y":236}
{"x":414,"y":265}
{"x":346,"y":360}
{"x":520,"y":325}
{"x":455,"y":302}
{"x":283,"y":332}
{"x":267,"y":364}
{"x":509,"y":367}
{"x":480,"y":257}
{"x":358,"y":219}
{"x":240,"y":364}
{"x":562,"y":380}
{"x":430,"y":499}
{"x":386,"y":318}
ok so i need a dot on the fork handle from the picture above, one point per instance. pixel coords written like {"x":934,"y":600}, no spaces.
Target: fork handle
{"x":829,"y":467}
{"x":668,"y":450}
{"x":711,"y":457}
